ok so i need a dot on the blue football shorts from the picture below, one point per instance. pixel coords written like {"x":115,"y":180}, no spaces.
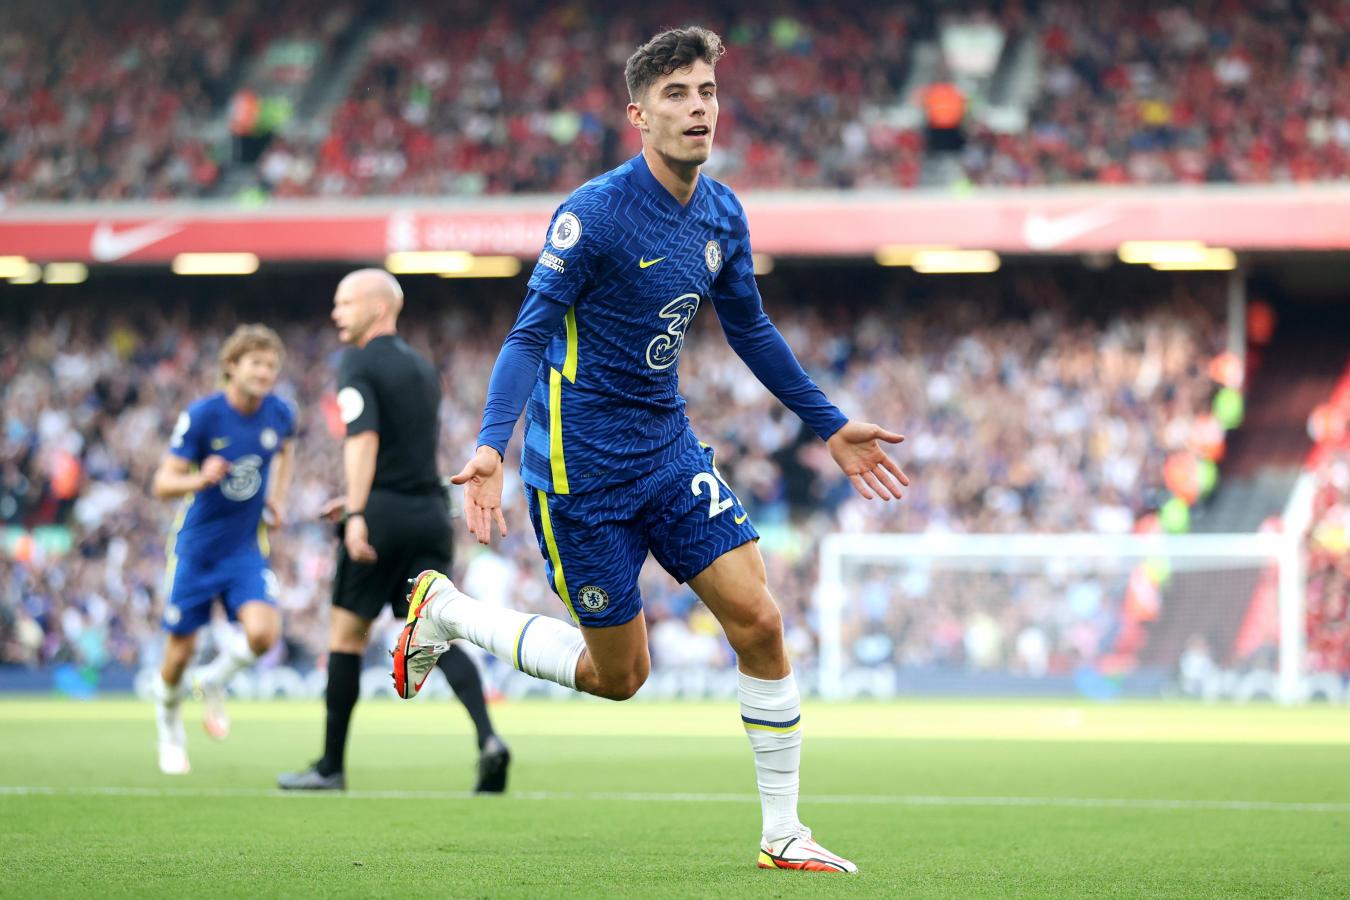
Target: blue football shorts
{"x":195,"y":584}
{"x":594,"y":544}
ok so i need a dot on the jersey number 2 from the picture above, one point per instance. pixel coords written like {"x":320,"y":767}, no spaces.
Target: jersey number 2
{"x":716,"y":505}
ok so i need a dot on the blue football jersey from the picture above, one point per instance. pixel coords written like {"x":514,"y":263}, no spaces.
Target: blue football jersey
{"x":633,"y":267}
{"x":226,"y":518}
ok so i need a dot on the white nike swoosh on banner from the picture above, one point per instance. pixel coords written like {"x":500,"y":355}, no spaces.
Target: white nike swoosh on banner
{"x":1042,"y":232}
{"x":108,"y":245}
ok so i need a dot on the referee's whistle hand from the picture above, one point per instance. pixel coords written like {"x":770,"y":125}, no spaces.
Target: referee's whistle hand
{"x":357,"y":541}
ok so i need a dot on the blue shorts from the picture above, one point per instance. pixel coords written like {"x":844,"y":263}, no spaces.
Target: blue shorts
{"x":195,"y":584}
{"x":594,"y":544}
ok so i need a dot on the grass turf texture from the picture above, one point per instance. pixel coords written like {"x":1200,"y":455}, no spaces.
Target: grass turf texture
{"x":929,"y":798}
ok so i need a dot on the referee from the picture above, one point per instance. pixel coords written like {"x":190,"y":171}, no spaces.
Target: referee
{"x":395,"y":516}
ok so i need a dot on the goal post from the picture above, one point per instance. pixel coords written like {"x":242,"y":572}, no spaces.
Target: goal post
{"x":1026,"y":607}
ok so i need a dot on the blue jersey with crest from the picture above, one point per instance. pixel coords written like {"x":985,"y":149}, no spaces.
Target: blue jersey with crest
{"x":632,"y":266}
{"x":225,"y":519}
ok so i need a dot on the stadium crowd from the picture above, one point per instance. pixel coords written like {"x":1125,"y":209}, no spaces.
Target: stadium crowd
{"x":102,"y":104}
{"x":1156,"y":93}
{"x":462,"y":99}
{"x":1328,"y":562}
{"x":114,"y":101}
{"x":1024,"y":412}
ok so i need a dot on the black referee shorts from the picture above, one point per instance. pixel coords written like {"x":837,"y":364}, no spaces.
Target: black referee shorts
{"x":410,"y":532}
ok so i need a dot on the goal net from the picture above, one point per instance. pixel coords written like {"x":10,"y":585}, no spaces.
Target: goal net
{"x":1104,"y":615}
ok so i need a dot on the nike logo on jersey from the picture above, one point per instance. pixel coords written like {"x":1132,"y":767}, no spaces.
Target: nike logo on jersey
{"x":643,"y":262}
{"x":742,"y":517}
{"x":219,"y":443}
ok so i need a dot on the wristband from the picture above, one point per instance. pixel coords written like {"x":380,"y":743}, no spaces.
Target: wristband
{"x":359,"y":512}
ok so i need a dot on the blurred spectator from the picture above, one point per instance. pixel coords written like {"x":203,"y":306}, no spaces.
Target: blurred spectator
{"x":1328,"y":561}
{"x":944,"y":109}
{"x":1196,"y":666}
{"x":1159,"y":92}
{"x":115,"y":101}
{"x":463,"y":99}
{"x":107,"y":101}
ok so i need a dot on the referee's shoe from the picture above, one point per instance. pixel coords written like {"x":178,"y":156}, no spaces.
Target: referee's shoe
{"x":311,"y":779}
{"x":493,"y":761}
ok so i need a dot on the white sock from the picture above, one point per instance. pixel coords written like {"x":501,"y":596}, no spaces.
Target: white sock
{"x":168,"y":722}
{"x":235,"y":655}
{"x":536,"y":645}
{"x":771,"y":713}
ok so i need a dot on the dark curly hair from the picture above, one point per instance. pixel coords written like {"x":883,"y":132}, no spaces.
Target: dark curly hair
{"x":672,"y":49}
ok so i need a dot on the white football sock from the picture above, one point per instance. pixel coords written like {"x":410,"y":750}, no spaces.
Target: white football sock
{"x":536,"y":645}
{"x":771,"y":713}
{"x":235,"y":655}
{"x":168,"y":720}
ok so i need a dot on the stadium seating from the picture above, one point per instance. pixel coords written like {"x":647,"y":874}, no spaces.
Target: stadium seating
{"x":1148,"y":93}
{"x":405,"y":99}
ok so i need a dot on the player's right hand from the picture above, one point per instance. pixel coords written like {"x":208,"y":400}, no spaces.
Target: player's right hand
{"x":213,"y":470}
{"x":482,"y":480}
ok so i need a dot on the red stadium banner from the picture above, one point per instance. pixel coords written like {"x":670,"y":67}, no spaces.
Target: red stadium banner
{"x":787,"y":224}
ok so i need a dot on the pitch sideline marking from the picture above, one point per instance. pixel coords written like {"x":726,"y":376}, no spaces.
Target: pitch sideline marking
{"x":639,"y":797}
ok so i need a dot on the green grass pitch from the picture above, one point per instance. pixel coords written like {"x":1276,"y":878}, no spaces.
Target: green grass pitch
{"x":931,"y":799}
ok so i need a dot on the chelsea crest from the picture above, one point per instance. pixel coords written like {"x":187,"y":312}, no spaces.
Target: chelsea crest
{"x":593,"y":598}
{"x":712,"y":255}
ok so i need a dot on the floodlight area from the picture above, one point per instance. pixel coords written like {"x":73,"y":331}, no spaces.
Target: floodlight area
{"x":31,"y":273}
{"x":487,"y":267}
{"x":956,"y":262}
{"x":451,"y":264}
{"x":13,"y":266}
{"x":938,"y":259}
{"x":903,"y":254}
{"x":19,"y":270}
{"x":1178,"y":256}
{"x":65,"y":273}
{"x":215,"y":264}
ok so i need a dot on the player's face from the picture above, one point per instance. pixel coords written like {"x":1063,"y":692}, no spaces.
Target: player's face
{"x":353,"y":314}
{"x":678,"y":115}
{"x":255,"y":373}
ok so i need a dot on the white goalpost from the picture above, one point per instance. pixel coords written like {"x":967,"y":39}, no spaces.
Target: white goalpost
{"x":1025,"y":607}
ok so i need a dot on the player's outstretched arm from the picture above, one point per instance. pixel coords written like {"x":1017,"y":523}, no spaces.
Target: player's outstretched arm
{"x":856,"y":447}
{"x":175,"y":478}
{"x":508,"y":388}
{"x":482,"y":480}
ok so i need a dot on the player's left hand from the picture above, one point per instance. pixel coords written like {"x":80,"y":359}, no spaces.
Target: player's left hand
{"x":857,"y":451}
{"x":356,"y":537}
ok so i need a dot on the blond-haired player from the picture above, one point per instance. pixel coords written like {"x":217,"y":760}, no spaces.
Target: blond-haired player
{"x":229,"y":459}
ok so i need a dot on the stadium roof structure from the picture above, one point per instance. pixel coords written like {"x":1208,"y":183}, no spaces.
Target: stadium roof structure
{"x":809,"y":224}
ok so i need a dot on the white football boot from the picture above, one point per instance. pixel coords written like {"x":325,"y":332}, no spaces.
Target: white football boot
{"x":215,"y":717}
{"x":800,"y":851}
{"x":173,"y":758}
{"x":423,"y":639}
